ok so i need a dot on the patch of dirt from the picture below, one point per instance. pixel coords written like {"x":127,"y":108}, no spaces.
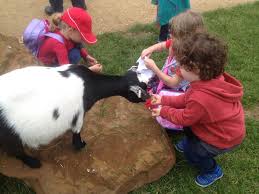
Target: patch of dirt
{"x":107,"y":16}
{"x":253,"y":113}
{"x":208,"y":5}
{"x":13,"y":55}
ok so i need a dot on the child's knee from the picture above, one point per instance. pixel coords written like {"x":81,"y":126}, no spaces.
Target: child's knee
{"x":193,"y":150}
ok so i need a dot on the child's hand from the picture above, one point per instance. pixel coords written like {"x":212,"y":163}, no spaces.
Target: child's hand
{"x":156,"y":112}
{"x":96,"y":68}
{"x":146,"y":53}
{"x":150,"y":64}
{"x":91,"y":60}
{"x":156,"y":99}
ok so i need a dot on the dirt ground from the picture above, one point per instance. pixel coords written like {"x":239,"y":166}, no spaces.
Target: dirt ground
{"x":107,"y":16}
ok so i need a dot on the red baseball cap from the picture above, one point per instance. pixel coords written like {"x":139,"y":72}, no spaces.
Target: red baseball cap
{"x":80,"y":20}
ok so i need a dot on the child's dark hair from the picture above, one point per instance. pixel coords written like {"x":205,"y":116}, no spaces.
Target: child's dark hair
{"x":203,"y":54}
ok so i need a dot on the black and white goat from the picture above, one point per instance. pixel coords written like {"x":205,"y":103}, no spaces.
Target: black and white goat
{"x":38,"y":104}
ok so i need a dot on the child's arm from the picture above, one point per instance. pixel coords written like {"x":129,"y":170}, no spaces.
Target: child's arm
{"x":86,"y":56}
{"x":96,"y":68}
{"x":173,"y":101}
{"x":94,"y":65}
{"x":92,"y":61}
{"x":186,"y":117}
{"x":168,"y":80}
{"x":154,"y":48}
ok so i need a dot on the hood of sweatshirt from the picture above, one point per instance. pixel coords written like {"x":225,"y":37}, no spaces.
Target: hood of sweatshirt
{"x":225,"y":87}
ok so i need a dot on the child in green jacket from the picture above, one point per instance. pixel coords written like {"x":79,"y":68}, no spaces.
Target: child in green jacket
{"x":166,"y":9}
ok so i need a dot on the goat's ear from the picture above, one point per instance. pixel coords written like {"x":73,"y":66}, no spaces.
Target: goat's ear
{"x":133,"y":67}
{"x":140,"y":93}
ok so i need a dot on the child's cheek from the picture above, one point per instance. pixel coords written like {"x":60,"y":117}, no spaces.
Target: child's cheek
{"x":182,"y":71}
{"x":77,"y":40}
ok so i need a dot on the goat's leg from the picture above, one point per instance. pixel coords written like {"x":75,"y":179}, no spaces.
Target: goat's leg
{"x":77,"y":124}
{"x":28,"y":160}
{"x":77,"y":142}
{"x":12,"y":144}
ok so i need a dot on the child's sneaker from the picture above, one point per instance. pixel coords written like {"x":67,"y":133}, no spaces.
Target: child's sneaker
{"x":49,"y":10}
{"x":180,"y":145}
{"x":207,"y":179}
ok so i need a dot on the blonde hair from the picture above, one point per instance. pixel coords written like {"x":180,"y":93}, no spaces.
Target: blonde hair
{"x":186,"y":23}
{"x":56,"y":22}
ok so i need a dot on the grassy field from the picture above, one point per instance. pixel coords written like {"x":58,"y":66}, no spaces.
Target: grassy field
{"x":239,"y":26}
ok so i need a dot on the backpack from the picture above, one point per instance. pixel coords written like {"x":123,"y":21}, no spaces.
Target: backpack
{"x":165,"y":123}
{"x":35,"y":33}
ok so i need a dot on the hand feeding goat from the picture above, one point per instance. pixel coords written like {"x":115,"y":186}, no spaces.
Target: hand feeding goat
{"x":38,"y":104}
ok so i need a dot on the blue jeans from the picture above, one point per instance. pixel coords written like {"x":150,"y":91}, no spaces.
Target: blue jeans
{"x":200,"y":154}
{"x":74,"y":56}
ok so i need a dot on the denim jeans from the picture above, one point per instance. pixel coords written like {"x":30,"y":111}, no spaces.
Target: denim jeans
{"x":74,"y":56}
{"x":200,"y":154}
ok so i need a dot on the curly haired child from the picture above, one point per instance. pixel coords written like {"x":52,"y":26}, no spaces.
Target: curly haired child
{"x":210,"y":110}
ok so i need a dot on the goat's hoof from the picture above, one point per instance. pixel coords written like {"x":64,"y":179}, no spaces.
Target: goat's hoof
{"x":80,"y":145}
{"x":31,"y":162}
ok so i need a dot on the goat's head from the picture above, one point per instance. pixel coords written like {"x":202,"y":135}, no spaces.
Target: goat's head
{"x":136,"y":88}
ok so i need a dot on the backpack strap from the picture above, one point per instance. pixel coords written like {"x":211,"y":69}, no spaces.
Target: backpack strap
{"x":164,"y":70}
{"x":55,"y":36}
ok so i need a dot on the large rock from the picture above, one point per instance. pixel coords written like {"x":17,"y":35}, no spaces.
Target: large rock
{"x":125,"y":147}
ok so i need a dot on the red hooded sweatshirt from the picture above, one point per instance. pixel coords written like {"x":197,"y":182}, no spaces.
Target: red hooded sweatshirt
{"x":212,"y":108}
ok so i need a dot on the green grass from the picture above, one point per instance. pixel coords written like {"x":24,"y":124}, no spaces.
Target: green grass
{"x":241,"y":171}
{"x":13,"y":186}
{"x":239,"y":26}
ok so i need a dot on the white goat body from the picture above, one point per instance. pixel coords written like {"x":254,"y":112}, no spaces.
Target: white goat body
{"x":30,"y":95}
{"x":38,"y":104}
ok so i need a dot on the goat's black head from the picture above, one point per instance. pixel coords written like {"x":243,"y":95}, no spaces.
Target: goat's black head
{"x":136,"y":89}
